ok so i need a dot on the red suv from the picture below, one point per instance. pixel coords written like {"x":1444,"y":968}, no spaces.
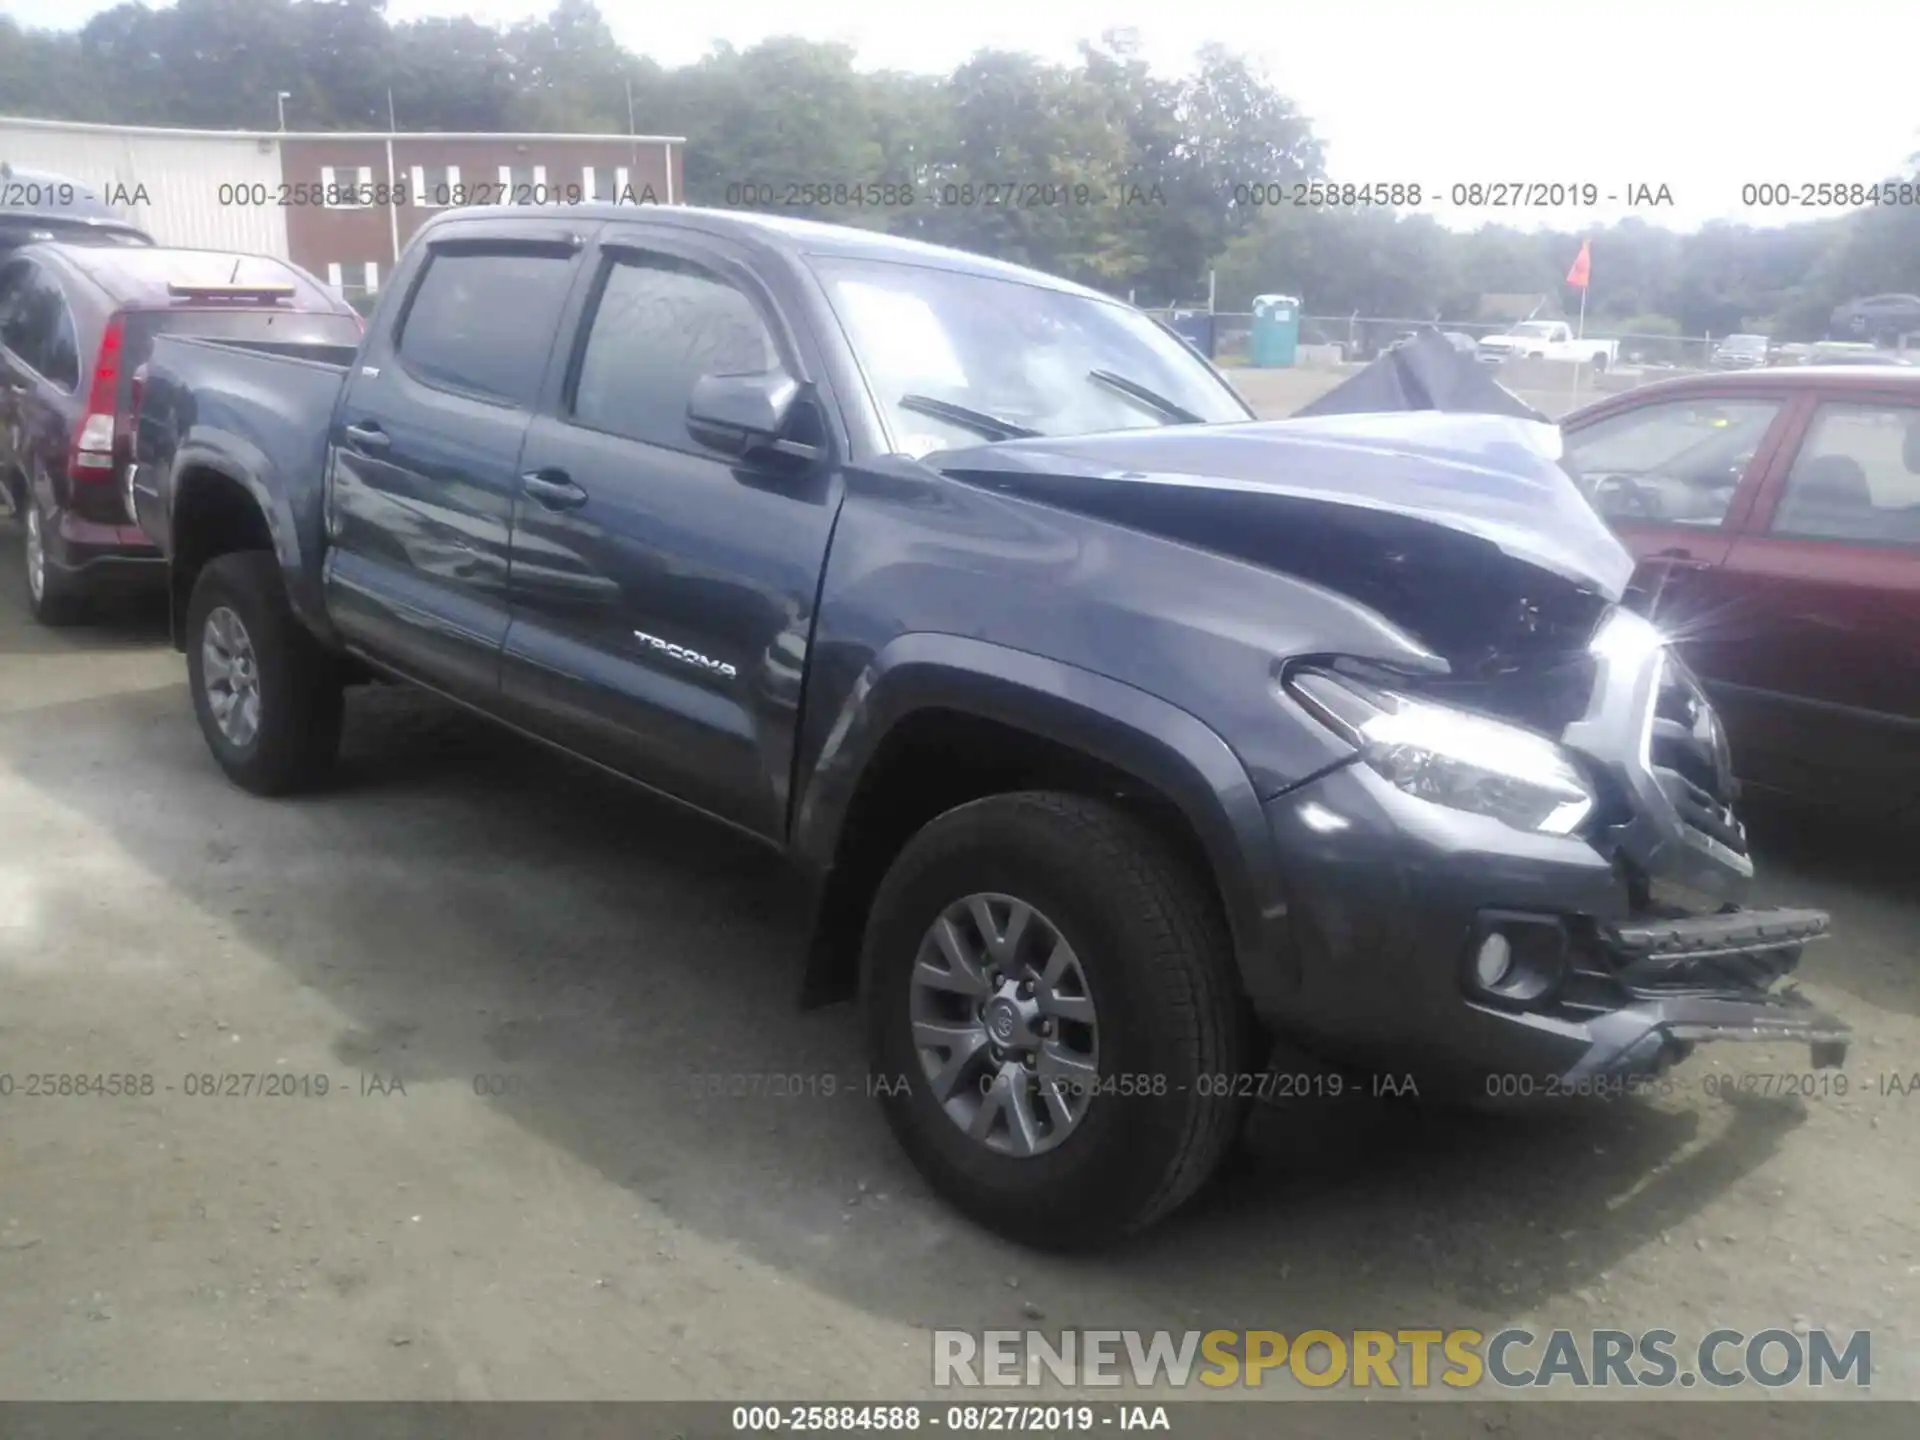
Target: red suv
{"x":76,"y":322}
{"x":1776,"y":518}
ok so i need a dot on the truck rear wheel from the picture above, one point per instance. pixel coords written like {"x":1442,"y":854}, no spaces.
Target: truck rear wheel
{"x":267,"y":696}
{"x":1053,"y":1018}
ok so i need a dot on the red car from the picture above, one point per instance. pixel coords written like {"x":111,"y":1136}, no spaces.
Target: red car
{"x":1776,"y":517}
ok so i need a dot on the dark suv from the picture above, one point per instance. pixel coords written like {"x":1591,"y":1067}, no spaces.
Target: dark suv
{"x":37,"y":206}
{"x":76,"y":321}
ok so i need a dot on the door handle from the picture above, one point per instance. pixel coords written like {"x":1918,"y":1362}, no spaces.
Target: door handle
{"x":1678,"y":557}
{"x":554,"y":489}
{"x":367,"y":436}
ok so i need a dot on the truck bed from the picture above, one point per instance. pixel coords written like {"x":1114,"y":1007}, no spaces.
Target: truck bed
{"x":271,"y":398}
{"x":311,"y":352}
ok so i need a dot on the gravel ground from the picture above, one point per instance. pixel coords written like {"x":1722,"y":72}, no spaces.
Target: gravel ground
{"x":463,"y":914}
{"x":1275,"y":394}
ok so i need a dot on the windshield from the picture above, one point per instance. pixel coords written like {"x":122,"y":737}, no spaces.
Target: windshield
{"x":153,"y":273}
{"x":43,"y":194}
{"x":1747,"y":344}
{"x":17,"y":230}
{"x":997,"y":357}
{"x":1537,"y":328}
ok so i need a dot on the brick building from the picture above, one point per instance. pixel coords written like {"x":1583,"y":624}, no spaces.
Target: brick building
{"x":341,"y":205}
{"x":374,"y":190}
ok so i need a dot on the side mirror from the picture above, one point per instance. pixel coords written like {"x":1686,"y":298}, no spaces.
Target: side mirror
{"x":748,"y":414}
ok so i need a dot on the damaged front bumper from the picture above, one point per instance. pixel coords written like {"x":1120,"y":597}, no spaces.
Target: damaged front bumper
{"x":1589,"y":1001}
{"x":1712,"y":977}
{"x":1394,"y":901}
{"x":1440,"y":943}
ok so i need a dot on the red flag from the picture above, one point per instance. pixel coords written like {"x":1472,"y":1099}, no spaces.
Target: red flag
{"x":1583,"y":262}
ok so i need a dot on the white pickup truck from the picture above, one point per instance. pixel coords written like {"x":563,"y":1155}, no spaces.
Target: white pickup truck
{"x":1547,"y":340}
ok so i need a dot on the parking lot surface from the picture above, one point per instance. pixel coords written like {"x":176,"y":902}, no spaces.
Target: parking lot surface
{"x":556,"y":1157}
{"x":1276,"y":393}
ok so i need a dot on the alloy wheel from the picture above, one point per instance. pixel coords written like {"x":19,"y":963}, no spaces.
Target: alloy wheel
{"x":36,"y":555}
{"x":1004,"y":1024}
{"x":231,"y":676}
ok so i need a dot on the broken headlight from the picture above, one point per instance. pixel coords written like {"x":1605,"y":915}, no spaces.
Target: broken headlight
{"x":1455,"y":758}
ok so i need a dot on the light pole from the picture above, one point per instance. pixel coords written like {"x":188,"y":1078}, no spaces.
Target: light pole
{"x":280,"y":103}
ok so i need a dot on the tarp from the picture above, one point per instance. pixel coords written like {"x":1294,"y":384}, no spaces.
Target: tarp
{"x":1423,"y":373}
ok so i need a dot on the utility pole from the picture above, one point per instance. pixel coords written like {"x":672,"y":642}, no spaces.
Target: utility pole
{"x":633,"y":148}
{"x":393,"y":183}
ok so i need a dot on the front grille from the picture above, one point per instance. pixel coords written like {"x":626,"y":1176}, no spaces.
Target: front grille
{"x":1659,"y":752}
{"x":1690,"y":761}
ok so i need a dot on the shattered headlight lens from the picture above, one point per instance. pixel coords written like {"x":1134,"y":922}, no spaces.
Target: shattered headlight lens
{"x":1459,"y":759}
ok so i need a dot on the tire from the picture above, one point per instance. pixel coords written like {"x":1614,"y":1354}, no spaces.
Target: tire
{"x":1156,"y":959}
{"x":54,"y":598}
{"x":296,"y":684}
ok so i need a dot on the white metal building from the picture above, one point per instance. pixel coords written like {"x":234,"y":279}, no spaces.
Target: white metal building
{"x":169,"y":182}
{"x":338,"y":204}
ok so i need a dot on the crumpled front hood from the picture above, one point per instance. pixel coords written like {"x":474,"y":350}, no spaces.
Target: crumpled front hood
{"x":1490,"y":477}
{"x":1459,"y":528}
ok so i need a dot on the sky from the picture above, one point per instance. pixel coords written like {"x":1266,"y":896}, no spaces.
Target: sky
{"x":1702,"y":97}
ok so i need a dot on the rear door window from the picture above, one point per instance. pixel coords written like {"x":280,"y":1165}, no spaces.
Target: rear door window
{"x":14,"y":279}
{"x":482,"y":322}
{"x":33,"y":321}
{"x":1856,"y":478}
{"x":63,"y":351}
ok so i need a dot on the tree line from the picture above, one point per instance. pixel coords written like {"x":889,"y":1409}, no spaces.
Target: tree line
{"x":1099,"y":170}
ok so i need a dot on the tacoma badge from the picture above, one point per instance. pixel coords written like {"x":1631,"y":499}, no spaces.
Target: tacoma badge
{"x":686,"y":656}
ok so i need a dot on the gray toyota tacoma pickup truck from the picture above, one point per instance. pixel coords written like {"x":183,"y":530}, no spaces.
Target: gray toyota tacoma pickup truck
{"x":1119,"y":737}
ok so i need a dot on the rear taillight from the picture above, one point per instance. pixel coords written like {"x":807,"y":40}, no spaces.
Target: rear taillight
{"x":94,"y":448}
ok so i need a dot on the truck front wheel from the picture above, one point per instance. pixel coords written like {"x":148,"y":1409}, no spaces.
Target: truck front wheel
{"x":1053,"y":1020}
{"x":267,"y":696}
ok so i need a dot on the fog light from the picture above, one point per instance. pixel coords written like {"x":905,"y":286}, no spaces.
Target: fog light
{"x":1514,"y":958}
{"x":1494,"y":962}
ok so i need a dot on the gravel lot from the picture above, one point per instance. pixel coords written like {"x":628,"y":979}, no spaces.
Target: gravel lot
{"x":1277,"y":393}
{"x":463,"y":913}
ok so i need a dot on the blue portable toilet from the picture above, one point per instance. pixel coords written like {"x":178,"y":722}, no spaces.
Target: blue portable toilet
{"x":1276,"y":331}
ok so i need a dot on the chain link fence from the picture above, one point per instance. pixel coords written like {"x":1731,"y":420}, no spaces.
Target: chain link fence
{"x":1363,"y":337}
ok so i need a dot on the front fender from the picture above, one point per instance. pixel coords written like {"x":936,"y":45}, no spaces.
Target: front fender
{"x":1157,"y":743}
